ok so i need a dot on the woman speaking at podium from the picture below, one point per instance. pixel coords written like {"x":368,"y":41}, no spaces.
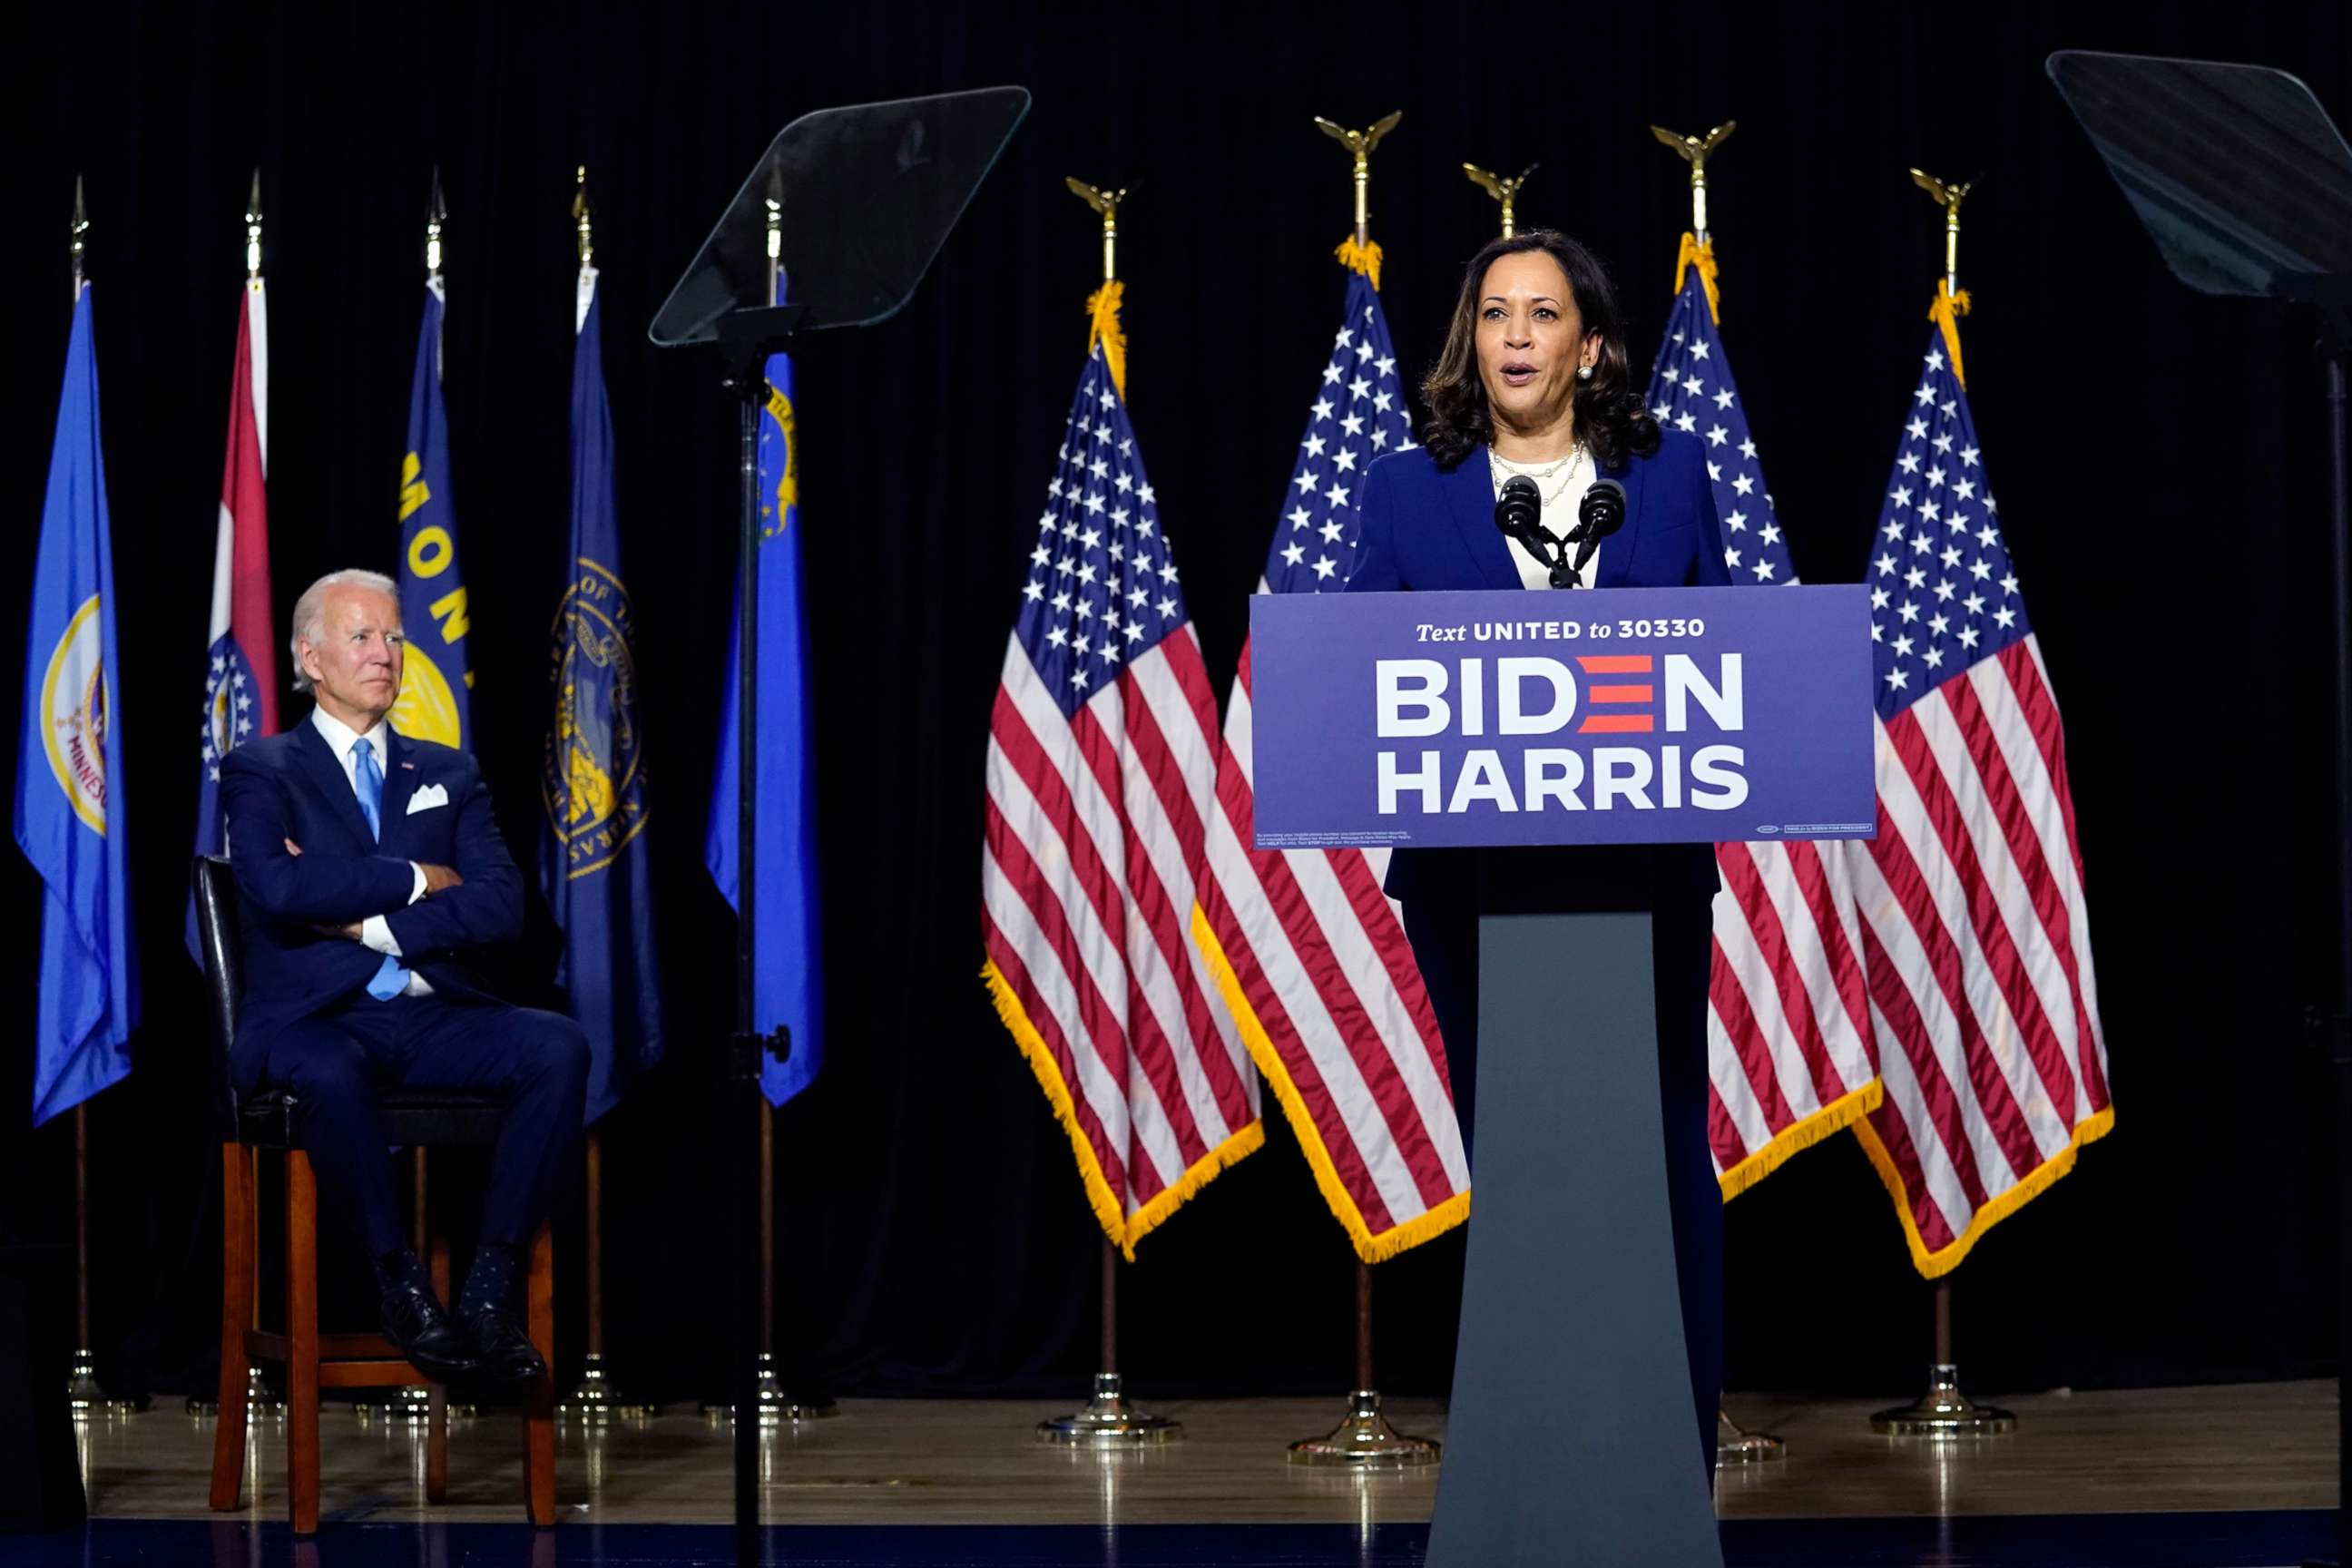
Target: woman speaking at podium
{"x":1534,"y":383}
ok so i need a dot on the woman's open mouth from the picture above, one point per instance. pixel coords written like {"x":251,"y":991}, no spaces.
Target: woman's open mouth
{"x":1517,"y":374}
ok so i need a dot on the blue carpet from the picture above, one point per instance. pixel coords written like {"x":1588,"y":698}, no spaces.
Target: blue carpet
{"x":2269,"y":1540}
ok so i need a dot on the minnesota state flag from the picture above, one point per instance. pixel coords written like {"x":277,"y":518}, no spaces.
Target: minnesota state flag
{"x":69,"y":818}
{"x":436,"y":684}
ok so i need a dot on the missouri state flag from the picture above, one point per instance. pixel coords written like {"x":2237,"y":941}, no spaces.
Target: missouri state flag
{"x":241,"y":651}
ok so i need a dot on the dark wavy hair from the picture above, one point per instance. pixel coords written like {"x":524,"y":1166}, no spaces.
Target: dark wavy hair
{"x":1610,"y":418}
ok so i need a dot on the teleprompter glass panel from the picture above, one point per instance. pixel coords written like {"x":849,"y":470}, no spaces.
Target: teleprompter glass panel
{"x":863,"y":198}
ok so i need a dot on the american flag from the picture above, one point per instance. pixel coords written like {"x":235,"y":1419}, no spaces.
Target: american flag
{"x":1976,"y":938}
{"x":1310,"y":950}
{"x":241,"y":654}
{"x":1788,"y":1052}
{"x":1102,"y":762}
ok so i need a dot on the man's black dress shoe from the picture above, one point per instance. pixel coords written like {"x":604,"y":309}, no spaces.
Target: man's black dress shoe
{"x":426,"y":1334}
{"x":507,"y":1353}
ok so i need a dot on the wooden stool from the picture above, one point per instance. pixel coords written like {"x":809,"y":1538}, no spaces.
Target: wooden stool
{"x":419,"y":1118}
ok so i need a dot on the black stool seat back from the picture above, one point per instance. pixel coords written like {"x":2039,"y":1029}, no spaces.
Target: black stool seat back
{"x":439,"y":1118}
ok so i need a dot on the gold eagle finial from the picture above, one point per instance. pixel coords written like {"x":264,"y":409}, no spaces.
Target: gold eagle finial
{"x":584,"y":217}
{"x":1504,"y":189}
{"x":1359,"y":145}
{"x":1105,"y":201}
{"x":78,"y":236}
{"x":1948,"y":196}
{"x":1696,"y":151}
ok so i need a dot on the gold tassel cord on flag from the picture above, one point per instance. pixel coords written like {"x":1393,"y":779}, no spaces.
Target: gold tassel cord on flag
{"x":1103,"y":327}
{"x":1361,"y":255}
{"x":1699,"y":253}
{"x":1949,"y":305}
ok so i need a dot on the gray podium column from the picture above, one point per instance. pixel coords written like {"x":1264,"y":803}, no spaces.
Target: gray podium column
{"x":1568,"y":1440}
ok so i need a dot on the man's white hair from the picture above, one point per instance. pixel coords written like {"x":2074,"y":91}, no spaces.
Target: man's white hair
{"x":310,"y":610}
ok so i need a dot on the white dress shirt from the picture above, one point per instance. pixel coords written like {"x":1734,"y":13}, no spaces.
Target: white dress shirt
{"x":1562,"y":487}
{"x":341,"y":738}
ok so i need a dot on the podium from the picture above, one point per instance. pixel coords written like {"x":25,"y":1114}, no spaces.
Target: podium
{"x":1571,"y":1438}
{"x":1557,"y":767}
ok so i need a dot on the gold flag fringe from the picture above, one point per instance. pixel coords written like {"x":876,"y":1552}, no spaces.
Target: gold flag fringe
{"x":1371,"y":1248}
{"x":1364,"y":258}
{"x":1123,"y":1229}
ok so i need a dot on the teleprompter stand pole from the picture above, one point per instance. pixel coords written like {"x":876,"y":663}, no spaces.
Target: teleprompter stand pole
{"x":742,"y":1110}
{"x":856,"y":203}
{"x":2335,"y":346}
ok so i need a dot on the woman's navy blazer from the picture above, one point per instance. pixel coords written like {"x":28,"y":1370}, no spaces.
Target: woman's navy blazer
{"x":1428,"y":529}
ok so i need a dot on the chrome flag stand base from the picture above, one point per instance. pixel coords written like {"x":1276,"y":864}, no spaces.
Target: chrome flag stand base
{"x":1735,"y":1445}
{"x":774,"y":1402}
{"x":594,"y":1403}
{"x":1944,"y":1412}
{"x":87,"y":1398}
{"x":258,"y":1399}
{"x":1108,"y":1422}
{"x":1363,"y":1440}
{"x":410,"y":1403}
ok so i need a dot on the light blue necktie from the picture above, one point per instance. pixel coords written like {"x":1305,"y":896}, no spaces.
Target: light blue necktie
{"x":390,"y":979}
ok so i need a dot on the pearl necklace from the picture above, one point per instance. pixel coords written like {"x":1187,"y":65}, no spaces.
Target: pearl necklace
{"x":1501,"y":469}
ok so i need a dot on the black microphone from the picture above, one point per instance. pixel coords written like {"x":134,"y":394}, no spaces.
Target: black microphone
{"x":1518,"y":512}
{"x":1600,"y":514}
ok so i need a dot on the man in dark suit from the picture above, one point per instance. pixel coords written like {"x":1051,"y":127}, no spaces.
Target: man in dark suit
{"x":371,"y":871}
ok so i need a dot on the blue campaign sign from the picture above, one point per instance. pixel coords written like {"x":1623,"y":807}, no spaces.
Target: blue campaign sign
{"x":1607,"y":716}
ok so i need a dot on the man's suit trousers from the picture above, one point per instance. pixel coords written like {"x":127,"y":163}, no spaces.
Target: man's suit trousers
{"x":336,"y":1063}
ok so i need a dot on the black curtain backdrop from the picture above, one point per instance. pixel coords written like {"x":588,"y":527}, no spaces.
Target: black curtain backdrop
{"x":2158,"y":454}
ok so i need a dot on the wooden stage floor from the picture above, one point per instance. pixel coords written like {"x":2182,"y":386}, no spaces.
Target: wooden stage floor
{"x":2245,"y":1447}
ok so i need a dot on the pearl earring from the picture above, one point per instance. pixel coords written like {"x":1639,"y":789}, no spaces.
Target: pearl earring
{"x":1585,"y":373}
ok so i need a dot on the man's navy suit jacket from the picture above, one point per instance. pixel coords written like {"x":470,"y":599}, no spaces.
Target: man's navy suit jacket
{"x":291,"y":786}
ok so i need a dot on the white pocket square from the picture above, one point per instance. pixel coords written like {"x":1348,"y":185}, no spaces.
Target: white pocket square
{"x":427,"y":798}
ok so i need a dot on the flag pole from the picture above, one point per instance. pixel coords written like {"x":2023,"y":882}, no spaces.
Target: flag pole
{"x":1107,"y":1421}
{"x":257,"y":1396}
{"x":1505,"y":189}
{"x":84,"y":1392}
{"x":1363,"y":1440}
{"x":1944,"y":1411}
{"x":1734,"y":1445}
{"x":595,"y":1402}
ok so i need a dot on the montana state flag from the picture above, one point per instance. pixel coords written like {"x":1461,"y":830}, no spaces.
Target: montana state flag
{"x":436,"y":683}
